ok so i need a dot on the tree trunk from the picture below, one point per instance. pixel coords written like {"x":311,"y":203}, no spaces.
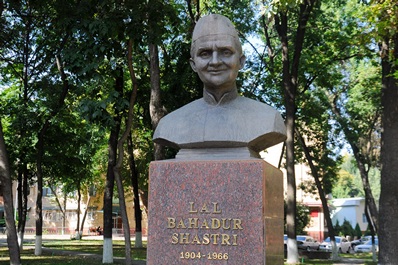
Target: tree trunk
{"x":108,"y":195}
{"x":79,"y":200}
{"x":156,"y":109}
{"x":6,"y":190}
{"x":281,"y":22}
{"x":144,"y":199}
{"x":325,"y":206}
{"x":39,"y":203}
{"x":133,"y":169}
{"x":19,"y":208}
{"x":107,"y":256}
{"x":359,"y":158}
{"x":290,"y":82}
{"x":370,"y":201}
{"x":85,"y":213}
{"x":372,"y":231}
{"x":137,"y":206}
{"x":388,"y":211}
{"x":125,"y":220}
{"x":23,"y":206}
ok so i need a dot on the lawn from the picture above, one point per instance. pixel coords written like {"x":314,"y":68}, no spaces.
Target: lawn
{"x":95,"y":247}
{"x":365,"y":257}
{"x":52,"y":256}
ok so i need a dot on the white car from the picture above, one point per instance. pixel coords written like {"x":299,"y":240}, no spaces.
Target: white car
{"x":285,"y":240}
{"x":342,"y":244}
{"x":307,"y":243}
{"x":367,"y":246}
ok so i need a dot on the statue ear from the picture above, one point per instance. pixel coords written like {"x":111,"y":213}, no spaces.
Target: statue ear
{"x":193,"y":66}
{"x":242,"y":61}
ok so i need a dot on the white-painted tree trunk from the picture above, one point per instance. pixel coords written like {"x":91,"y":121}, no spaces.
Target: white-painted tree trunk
{"x":38,"y":245}
{"x":292,"y":258}
{"x":374,"y":255}
{"x":138,"y":239}
{"x":107,"y":256}
{"x":335,"y":251}
{"x":20,"y":240}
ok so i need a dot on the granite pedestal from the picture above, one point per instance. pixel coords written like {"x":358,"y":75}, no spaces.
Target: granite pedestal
{"x":215,"y":212}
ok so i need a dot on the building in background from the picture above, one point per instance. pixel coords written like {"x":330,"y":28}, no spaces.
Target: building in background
{"x":350,"y":209}
{"x":60,"y":217}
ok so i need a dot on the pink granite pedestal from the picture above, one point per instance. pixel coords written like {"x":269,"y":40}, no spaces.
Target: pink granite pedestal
{"x":215,"y":212}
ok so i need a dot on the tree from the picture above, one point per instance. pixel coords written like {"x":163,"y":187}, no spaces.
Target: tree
{"x":345,"y":187}
{"x":289,"y":18}
{"x":358,"y":231}
{"x":384,"y":15}
{"x":361,"y":131}
{"x":322,"y":186}
{"x":6,"y":191}
{"x":349,"y":182}
{"x":346,"y":229}
{"x":30,"y":52}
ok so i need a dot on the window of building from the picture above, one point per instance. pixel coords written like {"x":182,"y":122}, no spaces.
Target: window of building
{"x":364,"y":219}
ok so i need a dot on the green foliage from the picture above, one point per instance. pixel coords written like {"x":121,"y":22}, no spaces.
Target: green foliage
{"x":336,"y":65}
{"x":358,"y":232}
{"x":302,"y":218}
{"x":350,"y":183}
{"x":345,"y":229}
{"x":345,"y":187}
{"x":384,"y":16}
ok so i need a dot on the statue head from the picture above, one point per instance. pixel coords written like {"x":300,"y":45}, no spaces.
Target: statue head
{"x":217,"y":26}
{"x":216,"y":54}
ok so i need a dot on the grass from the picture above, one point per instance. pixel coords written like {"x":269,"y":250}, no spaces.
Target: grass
{"x":53,"y":257}
{"x":95,"y":247}
{"x":365,"y":257}
{"x":28,"y":257}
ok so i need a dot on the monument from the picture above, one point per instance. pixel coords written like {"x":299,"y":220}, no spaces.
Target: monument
{"x":217,"y":202}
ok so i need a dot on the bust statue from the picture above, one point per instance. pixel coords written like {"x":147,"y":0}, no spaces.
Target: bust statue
{"x":221,"y":123}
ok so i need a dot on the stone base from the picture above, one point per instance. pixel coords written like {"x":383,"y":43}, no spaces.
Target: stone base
{"x":215,"y":212}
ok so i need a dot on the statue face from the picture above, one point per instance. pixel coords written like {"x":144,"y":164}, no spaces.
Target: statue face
{"x":217,"y":60}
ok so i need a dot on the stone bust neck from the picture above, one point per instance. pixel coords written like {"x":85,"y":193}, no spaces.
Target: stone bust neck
{"x":226,"y":98}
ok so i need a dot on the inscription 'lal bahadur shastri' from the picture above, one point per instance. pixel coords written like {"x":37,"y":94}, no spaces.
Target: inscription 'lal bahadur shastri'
{"x":213,"y":224}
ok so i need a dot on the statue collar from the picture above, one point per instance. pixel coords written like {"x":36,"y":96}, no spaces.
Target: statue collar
{"x":225,"y":99}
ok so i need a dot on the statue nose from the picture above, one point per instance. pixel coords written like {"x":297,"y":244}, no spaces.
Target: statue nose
{"x":215,"y":58}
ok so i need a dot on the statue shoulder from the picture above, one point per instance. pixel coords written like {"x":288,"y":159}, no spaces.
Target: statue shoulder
{"x":172,"y":125}
{"x":185,"y":111}
{"x":257,"y":110}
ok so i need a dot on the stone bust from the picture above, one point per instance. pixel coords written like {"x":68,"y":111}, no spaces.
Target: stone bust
{"x":221,"y":123}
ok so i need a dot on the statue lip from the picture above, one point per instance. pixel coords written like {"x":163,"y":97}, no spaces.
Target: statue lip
{"x":216,"y":71}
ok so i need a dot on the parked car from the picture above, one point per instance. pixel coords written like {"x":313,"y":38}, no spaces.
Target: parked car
{"x":361,"y":241}
{"x":307,"y":243}
{"x":367,"y":246}
{"x":285,"y":241}
{"x":343,"y":245}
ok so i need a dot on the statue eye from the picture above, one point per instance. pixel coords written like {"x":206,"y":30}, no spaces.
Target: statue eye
{"x":227,"y":52}
{"x":205,"y":54}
